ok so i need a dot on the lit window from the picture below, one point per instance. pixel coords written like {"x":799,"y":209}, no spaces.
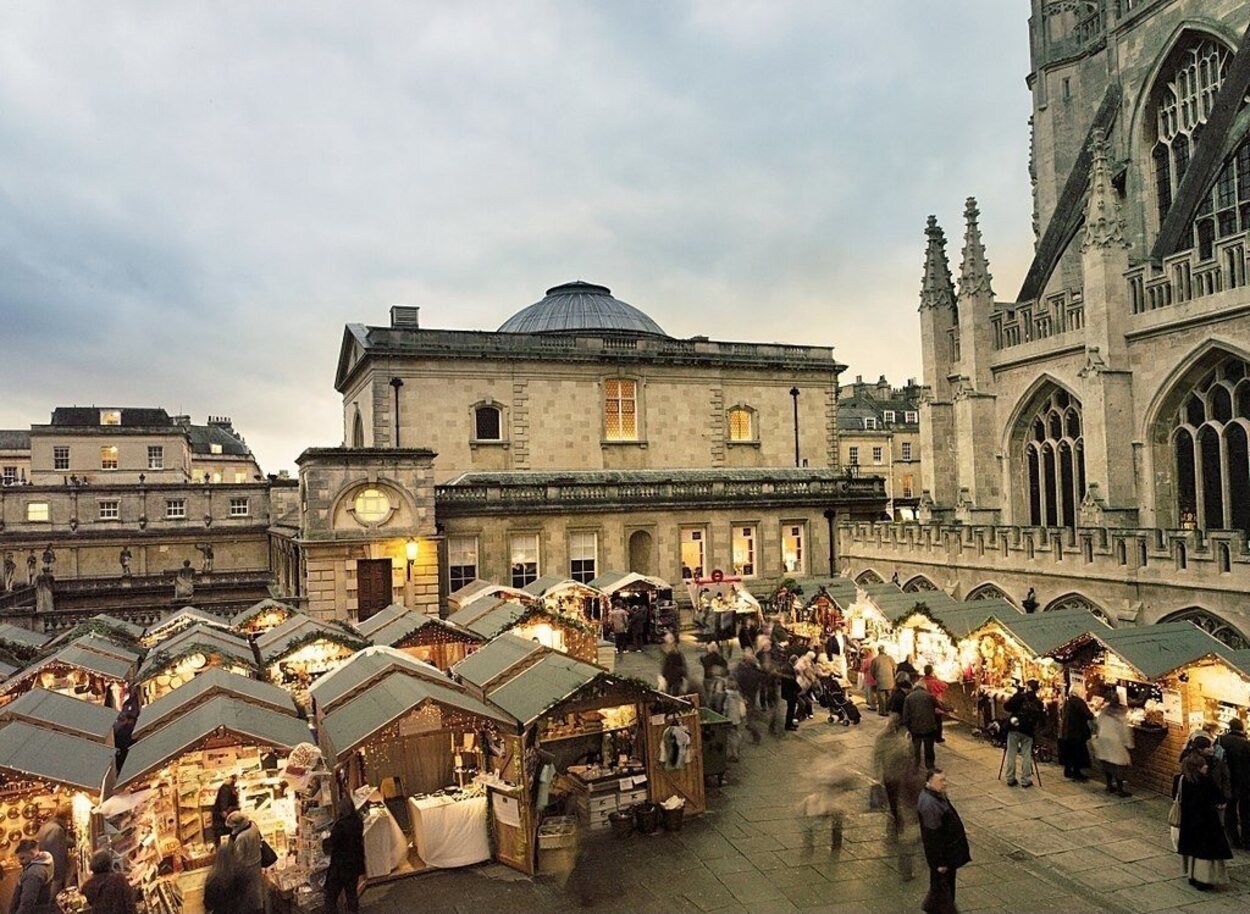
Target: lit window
{"x":214,"y":448}
{"x":175,"y":508}
{"x":583,"y":556}
{"x":744,"y":551}
{"x":908,"y":483}
{"x":906,"y":449}
{"x":108,"y":458}
{"x":461,"y":560}
{"x":156,"y":457}
{"x":877,"y":454}
{"x":870,"y":422}
{"x":372,"y":506}
{"x":9,"y":476}
{"x":853,"y":455}
{"x":620,"y":409}
{"x":60,"y":458}
{"x":741,"y":425}
{"x":216,"y":477}
{"x":239,"y":507}
{"x":487,"y":424}
{"x":37,"y":512}
{"x":524,"y":559}
{"x":792,"y":553}
{"x":240,"y":476}
{"x":889,"y":417}
{"x":693,"y":545}
{"x":110,"y":510}
{"x":110,"y":417}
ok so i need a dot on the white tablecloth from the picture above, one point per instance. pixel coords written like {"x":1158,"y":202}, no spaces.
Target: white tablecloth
{"x":385,"y":844}
{"x":449,"y":832}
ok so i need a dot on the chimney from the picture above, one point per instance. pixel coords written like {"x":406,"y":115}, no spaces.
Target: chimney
{"x":405,"y":317}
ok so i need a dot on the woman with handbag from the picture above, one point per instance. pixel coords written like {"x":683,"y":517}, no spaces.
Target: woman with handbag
{"x":1200,"y":838}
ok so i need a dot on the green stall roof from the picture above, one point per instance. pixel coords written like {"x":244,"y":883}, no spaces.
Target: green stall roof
{"x":223,"y":713}
{"x":277,"y":642}
{"x":1041,"y":633}
{"x":21,"y":637}
{"x":79,"y":657}
{"x":207,"y":685}
{"x":186,"y":616}
{"x":62,"y":712}
{"x":541,"y":686}
{"x":256,"y":609}
{"x":1160,"y":649}
{"x":364,"y":667}
{"x":59,"y":758}
{"x":494,"y":658}
{"x":190,"y":641}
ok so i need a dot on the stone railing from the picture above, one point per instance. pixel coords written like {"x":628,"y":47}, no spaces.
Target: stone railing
{"x":832,"y":487}
{"x":1039,"y":320}
{"x":1189,"y":276}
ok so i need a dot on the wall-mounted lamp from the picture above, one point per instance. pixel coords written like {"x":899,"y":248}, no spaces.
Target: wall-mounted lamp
{"x":410,"y":548}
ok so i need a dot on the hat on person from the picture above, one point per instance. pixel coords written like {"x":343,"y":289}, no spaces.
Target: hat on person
{"x":1201,"y":742}
{"x":236,"y":820}
{"x":1237,"y":725}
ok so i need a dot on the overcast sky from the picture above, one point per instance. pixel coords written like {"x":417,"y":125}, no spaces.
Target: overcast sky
{"x":196,"y":197}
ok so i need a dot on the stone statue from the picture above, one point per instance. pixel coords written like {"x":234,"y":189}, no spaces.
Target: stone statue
{"x":32,"y":564}
{"x":49,"y":557}
{"x":184,"y":582}
{"x":124,"y":558}
{"x":10,"y":571}
{"x":206,"y":550}
{"x":44,"y":602}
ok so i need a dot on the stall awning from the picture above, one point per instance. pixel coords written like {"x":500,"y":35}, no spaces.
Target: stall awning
{"x":898,"y":606}
{"x":107,"y":647}
{"x":1041,"y":633}
{"x":62,"y":712}
{"x":841,"y":591}
{"x":611,"y":582}
{"x":389,"y":699}
{"x":210,"y":684}
{"x":476,"y":590}
{"x":1156,"y":650}
{"x":541,"y":686}
{"x":59,"y":758}
{"x":74,"y":655}
{"x":545,"y":586}
{"x":101,"y":623}
{"x":380,"y":619}
{"x":7,"y":670}
{"x":364,"y":667}
{"x":195,"y":639}
{"x":495,"y":658}
{"x":186,"y":616}
{"x":278,"y":642}
{"x":405,"y":624}
{"x":1241,"y":660}
{"x":489,"y":618}
{"x":258,"y":609}
{"x":224,"y":714}
{"x":21,"y":637}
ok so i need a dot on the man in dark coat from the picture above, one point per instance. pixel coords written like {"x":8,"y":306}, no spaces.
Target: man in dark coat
{"x":751,"y":679}
{"x":1237,"y":756}
{"x":33,"y":892}
{"x":902,"y":685}
{"x":637,"y":627}
{"x":346,"y":847}
{"x":1027,"y":713}
{"x":920,"y":719}
{"x":227,"y":801}
{"x":945,"y":843}
{"x":1074,"y":734}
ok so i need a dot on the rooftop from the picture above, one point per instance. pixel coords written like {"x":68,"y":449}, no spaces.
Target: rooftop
{"x":578,"y":306}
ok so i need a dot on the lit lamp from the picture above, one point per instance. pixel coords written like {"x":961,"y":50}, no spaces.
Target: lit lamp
{"x":410,"y":549}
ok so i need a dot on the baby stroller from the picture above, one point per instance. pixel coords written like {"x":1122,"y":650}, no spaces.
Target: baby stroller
{"x":833,"y":697}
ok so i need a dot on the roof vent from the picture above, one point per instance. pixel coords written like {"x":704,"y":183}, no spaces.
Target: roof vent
{"x":405,"y":316}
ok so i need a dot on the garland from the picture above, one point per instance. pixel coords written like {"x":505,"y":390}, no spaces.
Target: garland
{"x":573,"y":622}
{"x":342,"y":638}
{"x":164,"y":659}
{"x":118,"y":636}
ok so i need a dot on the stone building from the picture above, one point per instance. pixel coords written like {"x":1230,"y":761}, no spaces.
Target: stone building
{"x":114,"y":502}
{"x":1089,"y":437}
{"x":579,"y":438}
{"x":879,"y":434}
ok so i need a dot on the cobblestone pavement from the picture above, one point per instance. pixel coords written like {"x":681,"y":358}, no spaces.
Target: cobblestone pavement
{"x":1058,"y":846}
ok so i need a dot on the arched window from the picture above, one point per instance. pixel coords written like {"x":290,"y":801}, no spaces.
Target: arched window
{"x":742,"y":425}
{"x":1078,"y":601}
{"x":487,"y":424}
{"x":358,"y":431}
{"x":1212,"y":625}
{"x":989,"y":592}
{"x":1211,"y":449}
{"x":868,"y":577}
{"x":1054,"y":461}
{"x":919,"y":584}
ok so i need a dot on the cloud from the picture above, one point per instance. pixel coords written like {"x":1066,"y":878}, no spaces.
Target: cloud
{"x":195,"y":198}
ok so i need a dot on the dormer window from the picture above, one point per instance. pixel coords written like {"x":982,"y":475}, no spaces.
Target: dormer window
{"x":214,"y":448}
{"x":110,"y":417}
{"x":889,"y":417}
{"x":870,"y":422}
{"x":912,"y":417}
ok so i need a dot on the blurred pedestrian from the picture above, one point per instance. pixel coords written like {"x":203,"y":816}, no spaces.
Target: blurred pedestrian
{"x":835,"y":790}
{"x":347,"y":857}
{"x":108,"y":891}
{"x":53,"y":837}
{"x":673,"y":667}
{"x":1112,"y":741}
{"x":1026,"y":715}
{"x":1202,"y":844}
{"x":1074,"y":735}
{"x":750,"y":679}
{"x":938,"y":689}
{"x":1237,"y":756}
{"x":919,"y":718}
{"x":882,"y":669}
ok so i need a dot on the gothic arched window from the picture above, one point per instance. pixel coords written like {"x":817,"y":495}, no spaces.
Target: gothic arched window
{"x":1212,"y":449}
{"x":1213,"y":625}
{"x":1077,"y":601}
{"x":919,"y":584}
{"x":1054,"y":461}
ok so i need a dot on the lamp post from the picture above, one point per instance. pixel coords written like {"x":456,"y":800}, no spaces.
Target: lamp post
{"x":794,"y":395}
{"x":410,"y":550}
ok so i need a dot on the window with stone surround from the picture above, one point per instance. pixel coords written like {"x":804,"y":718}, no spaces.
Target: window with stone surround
{"x":461,"y":561}
{"x":60,"y":457}
{"x":1054,"y":460}
{"x":9,"y":476}
{"x":240,"y":507}
{"x":38,"y":512}
{"x":156,"y":457}
{"x":878,"y":454}
{"x":110,"y":509}
{"x":905,"y":448}
{"x":793,"y":548}
{"x":108,"y":457}
{"x":524,"y":558}
{"x":693,"y":551}
{"x":175,"y":508}
{"x":620,"y":409}
{"x":853,"y":455}
{"x":487,"y":423}
{"x":742,"y":425}
{"x":744,"y":550}
{"x":583,"y":555}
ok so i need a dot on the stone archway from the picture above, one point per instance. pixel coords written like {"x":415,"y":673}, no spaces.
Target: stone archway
{"x":1213,"y":625}
{"x":641,"y":552}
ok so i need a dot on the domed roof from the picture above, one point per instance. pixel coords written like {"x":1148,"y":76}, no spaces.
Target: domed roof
{"x":578,"y":306}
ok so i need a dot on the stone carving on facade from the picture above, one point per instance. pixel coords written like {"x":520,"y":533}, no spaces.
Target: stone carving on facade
{"x":32,"y":568}
{"x":10,"y":572}
{"x":974,"y":273}
{"x":1092,"y":512}
{"x":184,"y":581}
{"x":924,"y":510}
{"x":49,"y":558}
{"x":1094,"y":363}
{"x":964,"y":507}
{"x":205,"y":550}
{"x":123,"y":559}
{"x":1104,"y":220}
{"x":44,"y":602}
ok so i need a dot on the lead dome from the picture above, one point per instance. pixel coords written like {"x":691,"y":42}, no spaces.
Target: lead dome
{"x":577,"y":306}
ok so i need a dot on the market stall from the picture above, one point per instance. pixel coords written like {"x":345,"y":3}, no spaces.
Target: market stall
{"x":188,"y":654}
{"x":43,"y":770}
{"x":1171,"y":676}
{"x":570,"y":598}
{"x":54,"y":711}
{"x":408,"y":734}
{"x":210,"y":684}
{"x":21,"y":643}
{"x":652,"y":595}
{"x":482,"y":590}
{"x":568,"y":634}
{"x":827,"y":601}
{"x":301,"y":650}
{"x":76,"y":670}
{"x":160,"y":816}
{"x":935,"y":634}
{"x":261,"y":617}
{"x":177,"y":622}
{"x":722,"y":603}
{"x":603,"y":736}
{"x":436,"y":641}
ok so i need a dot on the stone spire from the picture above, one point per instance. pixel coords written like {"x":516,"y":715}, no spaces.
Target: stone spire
{"x":974,"y":273}
{"x":1104,"y":222}
{"x":937,"y":289}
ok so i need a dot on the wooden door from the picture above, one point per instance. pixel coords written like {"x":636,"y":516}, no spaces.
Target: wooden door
{"x":373,"y":587}
{"x":686,"y":782}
